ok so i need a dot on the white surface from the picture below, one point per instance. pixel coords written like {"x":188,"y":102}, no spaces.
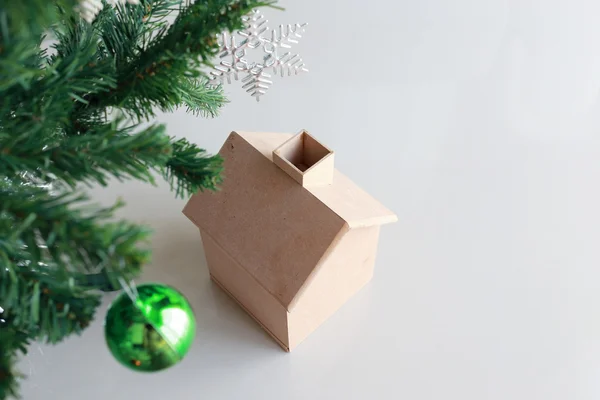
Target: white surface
{"x":478,"y":123}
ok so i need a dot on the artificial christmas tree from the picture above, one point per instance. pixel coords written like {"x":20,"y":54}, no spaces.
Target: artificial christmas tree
{"x":76,"y":112}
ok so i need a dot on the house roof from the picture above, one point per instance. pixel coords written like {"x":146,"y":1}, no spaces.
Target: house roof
{"x":272,"y":226}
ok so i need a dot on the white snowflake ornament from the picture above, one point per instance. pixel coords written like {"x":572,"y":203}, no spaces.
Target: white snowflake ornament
{"x":274,"y":44}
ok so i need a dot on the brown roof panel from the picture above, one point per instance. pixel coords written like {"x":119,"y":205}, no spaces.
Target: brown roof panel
{"x":344,"y":197}
{"x":273,"y":227}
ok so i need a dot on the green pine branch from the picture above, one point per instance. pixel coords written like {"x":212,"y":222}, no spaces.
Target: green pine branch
{"x":61,"y":230}
{"x":200,"y":98}
{"x":35,"y":111}
{"x":124,"y":25}
{"x":12,"y":343}
{"x":105,"y":150}
{"x":23,"y":19}
{"x":171,"y":58}
{"x":76,"y":113}
{"x":190,"y":169}
{"x":22,"y":26}
{"x":51,"y":307}
{"x":50,"y":248}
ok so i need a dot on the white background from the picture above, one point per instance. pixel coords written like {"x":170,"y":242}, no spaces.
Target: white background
{"x":478,"y":123}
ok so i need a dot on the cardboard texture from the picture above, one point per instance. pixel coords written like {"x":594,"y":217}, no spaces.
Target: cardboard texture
{"x":287,"y":236}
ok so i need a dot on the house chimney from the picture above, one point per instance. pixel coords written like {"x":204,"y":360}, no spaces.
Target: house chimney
{"x":306,"y":160}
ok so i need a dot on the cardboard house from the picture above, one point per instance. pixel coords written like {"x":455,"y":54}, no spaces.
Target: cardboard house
{"x":287,"y":236}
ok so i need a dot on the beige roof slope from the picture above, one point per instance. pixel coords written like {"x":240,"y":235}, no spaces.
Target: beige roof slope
{"x":344,"y":197}
{"x":291,"y":227}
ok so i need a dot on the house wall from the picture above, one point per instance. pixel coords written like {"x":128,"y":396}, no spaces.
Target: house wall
{"x":342,"y":272}
{"x":246,"y":291}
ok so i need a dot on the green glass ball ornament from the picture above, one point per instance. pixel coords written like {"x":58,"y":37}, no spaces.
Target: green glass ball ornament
{"x":151,"y":330}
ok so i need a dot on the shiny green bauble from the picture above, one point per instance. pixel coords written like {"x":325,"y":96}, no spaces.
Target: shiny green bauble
{"x":152,"y":331}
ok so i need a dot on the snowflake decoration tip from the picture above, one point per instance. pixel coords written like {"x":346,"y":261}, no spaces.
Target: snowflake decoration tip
{"x":274,"y":43}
